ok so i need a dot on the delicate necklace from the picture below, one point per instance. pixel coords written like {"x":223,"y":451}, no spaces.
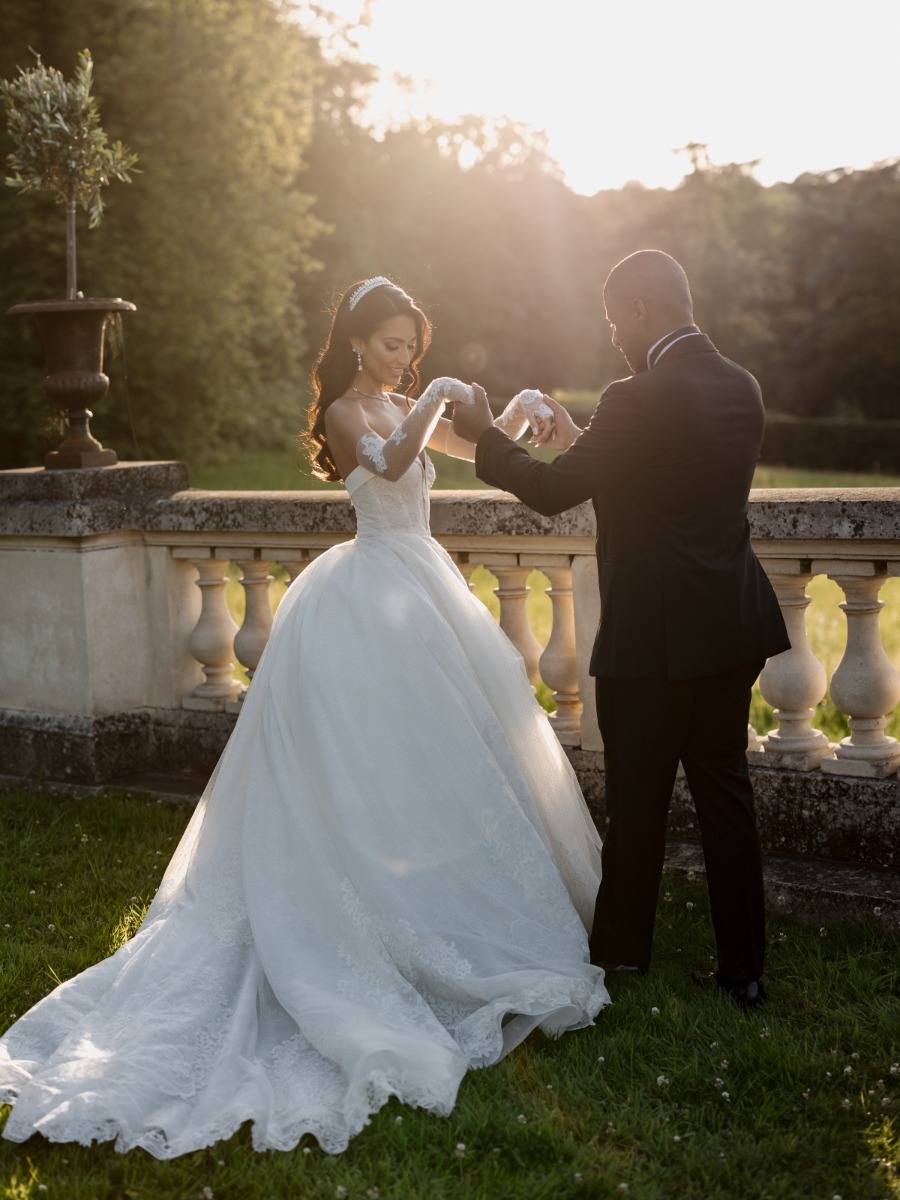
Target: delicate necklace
{"x":368,"y":395}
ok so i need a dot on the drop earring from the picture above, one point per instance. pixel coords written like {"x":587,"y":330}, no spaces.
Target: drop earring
{"x":359,"y":362}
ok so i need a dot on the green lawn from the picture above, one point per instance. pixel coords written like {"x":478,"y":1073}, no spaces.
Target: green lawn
{"x":672,"y":1095}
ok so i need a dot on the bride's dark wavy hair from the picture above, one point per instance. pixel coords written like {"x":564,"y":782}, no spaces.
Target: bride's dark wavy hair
{"x":336,"y":367}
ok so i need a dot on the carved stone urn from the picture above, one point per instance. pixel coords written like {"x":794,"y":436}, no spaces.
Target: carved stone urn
{"x":73,"y":334}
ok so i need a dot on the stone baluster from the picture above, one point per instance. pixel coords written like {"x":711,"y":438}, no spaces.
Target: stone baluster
{"x":254,"y":632}
{"x":212,"y":640}
{"x":466,"y":566}
{"x":865,"y":684}
{"x":294,"y":566}
{"x":512,"y":592}
{"x":793,"y":682}
{"x":558,"y":665}
{"x":586,"y":596}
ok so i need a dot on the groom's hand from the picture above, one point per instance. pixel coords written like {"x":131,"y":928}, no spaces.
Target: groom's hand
{"x":471,"y":420}
{"x":561,"y":432}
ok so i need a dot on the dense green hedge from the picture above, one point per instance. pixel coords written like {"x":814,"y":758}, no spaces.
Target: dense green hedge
{"x":831,"y":444}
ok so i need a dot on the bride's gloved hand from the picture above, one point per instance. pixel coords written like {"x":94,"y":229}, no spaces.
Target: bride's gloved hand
{"x":526,"y":409}
{"x":392,"y":457}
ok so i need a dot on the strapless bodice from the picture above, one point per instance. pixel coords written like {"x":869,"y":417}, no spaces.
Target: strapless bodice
{"x":383,"y":507}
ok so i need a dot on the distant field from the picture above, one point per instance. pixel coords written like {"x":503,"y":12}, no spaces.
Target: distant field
{"x":286,"y":470}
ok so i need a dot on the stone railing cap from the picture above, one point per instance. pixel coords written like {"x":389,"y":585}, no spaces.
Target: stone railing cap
{"x":156,"y":497}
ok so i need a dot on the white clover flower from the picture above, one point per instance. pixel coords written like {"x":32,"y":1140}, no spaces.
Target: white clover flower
{"x":713,"y":1045}
{"x":718,"y":1083}
{"x":726,"y":1097}
{"x":306,"y":1150}
{"x":823,"y":932}
{"x":577,"y":1177}
{"x":460,"y":1150}
{"x":522,"y":1119}
{"x":676,"y":1138}
{"x":340,"y":1192}
{"x":601,"y":1060}
{"x":398,"y":1120}
{"x":723,"y":1065}
{"x":855,"y":1054}
{"x":207,"y":1194}
{"x":372,"y":1194}
{"x":845,"y":1104}
{"x":848,"y":1070}
{"x":877,"y":910}
{"x":654,"y":1012}
{"x":690,"y":906}
{"x":662,"y":1081}
{"x":51,"y":927}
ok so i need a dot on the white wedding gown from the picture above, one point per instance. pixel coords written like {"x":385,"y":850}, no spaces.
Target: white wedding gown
{"x":379,"y":889}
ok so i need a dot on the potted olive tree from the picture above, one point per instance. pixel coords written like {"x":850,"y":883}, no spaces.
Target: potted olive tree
{"x":60,"y":147}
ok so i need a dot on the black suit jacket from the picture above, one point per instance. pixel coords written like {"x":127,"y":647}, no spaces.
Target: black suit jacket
{"x":667,"y":460}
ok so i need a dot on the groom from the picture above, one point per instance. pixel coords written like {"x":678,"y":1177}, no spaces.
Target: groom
{"x":688,"y":616}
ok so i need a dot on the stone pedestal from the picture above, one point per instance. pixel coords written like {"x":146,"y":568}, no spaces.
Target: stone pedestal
{"x":95,"y":620}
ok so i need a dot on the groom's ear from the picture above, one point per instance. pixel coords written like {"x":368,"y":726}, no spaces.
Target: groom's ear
{"x":639,"y":310}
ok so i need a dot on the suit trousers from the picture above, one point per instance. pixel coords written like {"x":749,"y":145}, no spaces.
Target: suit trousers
{"x":649,"y":725}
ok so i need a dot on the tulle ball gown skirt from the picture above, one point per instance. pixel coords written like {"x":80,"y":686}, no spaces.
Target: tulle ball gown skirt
{"x":385,"y":883}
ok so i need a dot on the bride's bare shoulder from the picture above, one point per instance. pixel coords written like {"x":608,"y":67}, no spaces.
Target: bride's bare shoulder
{"x":341,"y":411}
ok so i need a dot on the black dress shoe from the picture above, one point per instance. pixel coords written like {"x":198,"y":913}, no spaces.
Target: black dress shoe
{"x":748,"y":993}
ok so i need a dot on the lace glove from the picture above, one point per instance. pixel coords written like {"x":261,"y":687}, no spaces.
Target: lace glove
{"x":526,"y":408}
{"x":392,"y":457}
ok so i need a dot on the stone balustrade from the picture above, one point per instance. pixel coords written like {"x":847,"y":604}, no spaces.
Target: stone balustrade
{"x":853,"y":538}
{"x":118,"y":648}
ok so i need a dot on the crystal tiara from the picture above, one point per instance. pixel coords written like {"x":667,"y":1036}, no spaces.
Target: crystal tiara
{"x":368,"y":286}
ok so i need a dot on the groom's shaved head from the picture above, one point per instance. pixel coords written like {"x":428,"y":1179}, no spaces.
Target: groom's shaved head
{"x":655,"y":278}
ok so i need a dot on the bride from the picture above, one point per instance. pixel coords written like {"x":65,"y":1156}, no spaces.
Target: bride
{"x":388,"y":877}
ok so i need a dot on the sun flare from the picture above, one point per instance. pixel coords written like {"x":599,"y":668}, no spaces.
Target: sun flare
{"x":619,"y":89}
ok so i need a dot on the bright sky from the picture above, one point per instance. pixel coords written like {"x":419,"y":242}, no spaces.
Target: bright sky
{"x":803,"y":85}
